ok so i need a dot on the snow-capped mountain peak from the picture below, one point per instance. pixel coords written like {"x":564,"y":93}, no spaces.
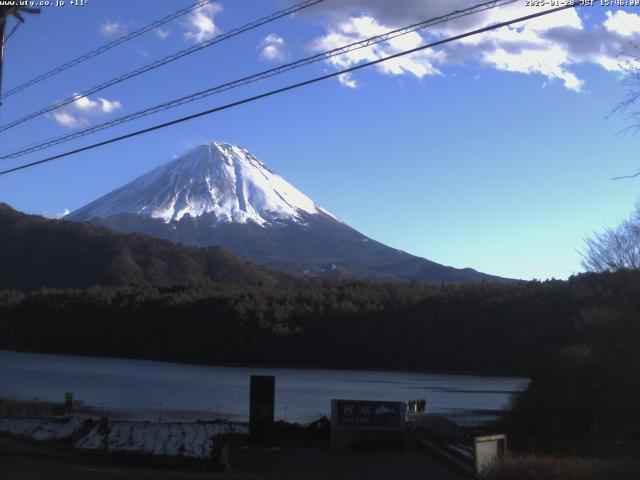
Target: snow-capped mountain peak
{"x":220,"y":194}
{"x":219,"y":178}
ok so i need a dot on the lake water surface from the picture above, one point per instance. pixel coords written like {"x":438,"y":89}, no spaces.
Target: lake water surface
{"x":149,"y":390}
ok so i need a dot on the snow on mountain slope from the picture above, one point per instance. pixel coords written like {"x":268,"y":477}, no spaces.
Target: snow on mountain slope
{"x":220,"y":194}
{"x":220,"y":178}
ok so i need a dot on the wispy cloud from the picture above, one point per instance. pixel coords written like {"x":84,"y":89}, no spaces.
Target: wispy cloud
{"x":111,"y":29}
{"x":80,"y":112}
{"x":273,"y":48}
{"x":361,"y":27}
{"x":162,"y":33}
{"x":347,"y":80}
{"x":66,"y":119}
{"x":143,"y":53}
{"x":200,"y":23}
{"x":549,"y":46}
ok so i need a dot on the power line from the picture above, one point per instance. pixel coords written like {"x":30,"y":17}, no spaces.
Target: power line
{"x":288,"y":87}
{"x":105,"y":47}
{"x":158,"y":63}
{"x":256,"y":77}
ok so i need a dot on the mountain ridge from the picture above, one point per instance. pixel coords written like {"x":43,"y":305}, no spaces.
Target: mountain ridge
{"x":218,"y":178}
{"x":221,"y":194}
{"x":36,"y":252}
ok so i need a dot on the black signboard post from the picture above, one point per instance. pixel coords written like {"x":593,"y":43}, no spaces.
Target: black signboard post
{"x":261,"y":409}
{"x":68,"y":401}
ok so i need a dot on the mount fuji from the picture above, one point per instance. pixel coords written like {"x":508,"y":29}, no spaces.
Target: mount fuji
{"x":221,"y":194}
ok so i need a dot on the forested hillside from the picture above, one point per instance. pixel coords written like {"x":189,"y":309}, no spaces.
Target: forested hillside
{"x":579,"y":339}
{"x":508,"y":328}
{"x":37,"y":252}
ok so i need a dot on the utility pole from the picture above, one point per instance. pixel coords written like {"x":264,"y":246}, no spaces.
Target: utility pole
{"x":3,"y":23}
{"x":5,"y":11}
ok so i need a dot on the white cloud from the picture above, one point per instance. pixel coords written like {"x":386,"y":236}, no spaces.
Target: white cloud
{"x":201,"y":25}
{"x":66,"y":211}
{"x":521,"y":49}
{"x":162,"y":33}
{"x":347,"y":80}
{"x":622,"y":23}
{"x":273,"y":48}
{"x":549,"y":46}
{"x":111,"y":29}
{"x":395,"y":13}
{"x":66,"y":119}
{"x":79,"y":112}
{"x":95,"y":107}
{"x":361,"y":27}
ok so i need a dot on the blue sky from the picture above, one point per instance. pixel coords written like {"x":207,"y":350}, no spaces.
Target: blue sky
{"x":494,"y":154}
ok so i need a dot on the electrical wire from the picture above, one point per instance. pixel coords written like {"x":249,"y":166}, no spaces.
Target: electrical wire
{"x":288,"y":88}
{"x":105,"y":47}
{"x":16,"y":153}
{"x":168,"y":59}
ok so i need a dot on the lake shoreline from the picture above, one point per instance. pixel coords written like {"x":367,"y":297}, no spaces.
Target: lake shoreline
{"x":505,"y":374}
{"x":151,"y":389}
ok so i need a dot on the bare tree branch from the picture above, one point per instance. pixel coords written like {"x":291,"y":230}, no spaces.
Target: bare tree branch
{"x":627,"y":176}
{"x":615,"y":248}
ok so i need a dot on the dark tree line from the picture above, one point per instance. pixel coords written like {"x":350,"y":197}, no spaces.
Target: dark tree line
{"x":579,"y":340}
{"x":509,"y":328}
{"x":36,"y":252}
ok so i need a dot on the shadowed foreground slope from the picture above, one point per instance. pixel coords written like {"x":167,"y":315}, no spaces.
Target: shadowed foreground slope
{"x":36,"y":252}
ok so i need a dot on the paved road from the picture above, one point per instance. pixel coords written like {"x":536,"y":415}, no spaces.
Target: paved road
{"x":41,"y":468}
{"x":27,"y":463}
{"x":322,"y":464}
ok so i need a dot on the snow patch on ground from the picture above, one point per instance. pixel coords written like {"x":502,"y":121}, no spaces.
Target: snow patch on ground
{"x":41,"y":429}
{"x":173,"y":439}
